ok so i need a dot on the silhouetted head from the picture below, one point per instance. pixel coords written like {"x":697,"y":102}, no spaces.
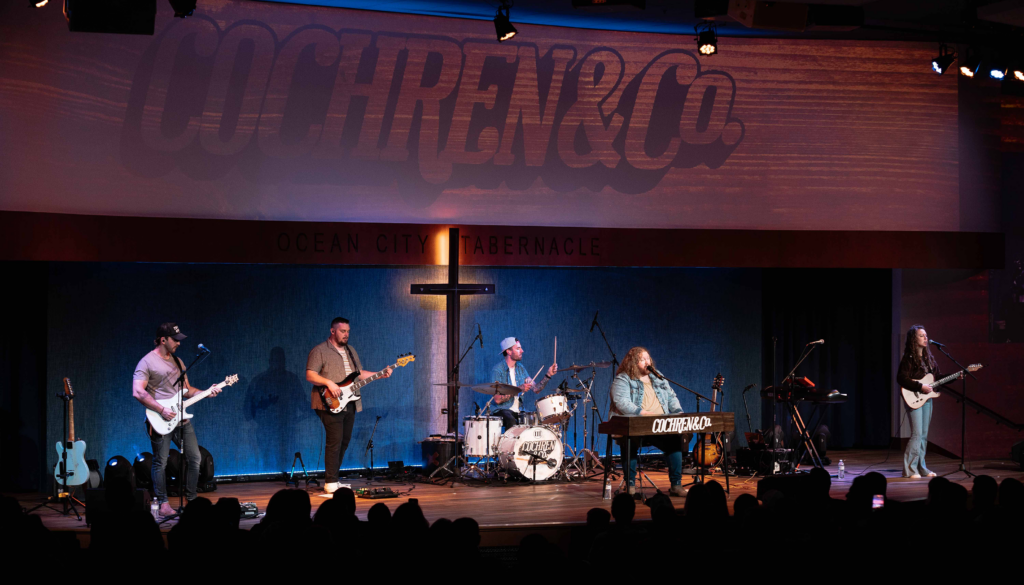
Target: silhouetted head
{"x":379,"y":514}
{"x":347,"y":498}
{"x":698,"y":502}
{"x":820,"y":482}
{"x":466,"y":533}
{"x":718,"y":504}
{"x":228,"y":513}
{"x":623,"y":508}
{"x":598,"y":520}
{"x":1011,"y":495}
{"x":984,"y":492}
{"x":744,"y":504}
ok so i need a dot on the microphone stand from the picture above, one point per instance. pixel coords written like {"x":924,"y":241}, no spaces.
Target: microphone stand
{"x":615,"y":368}
{"x":369,"y":447}
{"x":183,"y":472}
{"x":453,"y":376}
{"x":963,"y":416}
{"x":795,"y":415}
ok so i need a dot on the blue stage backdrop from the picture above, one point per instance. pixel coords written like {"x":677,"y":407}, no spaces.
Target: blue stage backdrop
{"x":261,"y":321}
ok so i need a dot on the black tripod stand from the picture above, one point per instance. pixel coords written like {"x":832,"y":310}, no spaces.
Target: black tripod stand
{"x":963,"y":414}
{"x":369,"y":447}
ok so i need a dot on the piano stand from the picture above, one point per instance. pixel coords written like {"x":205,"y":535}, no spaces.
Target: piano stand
{"x":806,"y":442}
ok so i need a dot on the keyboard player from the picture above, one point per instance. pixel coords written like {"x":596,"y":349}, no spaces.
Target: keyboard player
{"x":636,"y":393}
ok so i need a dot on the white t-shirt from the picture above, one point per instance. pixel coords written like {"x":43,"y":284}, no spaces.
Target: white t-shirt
{"x":512,"y":380}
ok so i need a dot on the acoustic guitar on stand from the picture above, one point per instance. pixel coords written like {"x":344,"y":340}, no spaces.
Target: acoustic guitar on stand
{"x":712,"y":454}
{"x":915,"y":399}
{"x":349,"y":385}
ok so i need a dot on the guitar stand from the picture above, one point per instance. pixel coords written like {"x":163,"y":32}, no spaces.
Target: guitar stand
{"x":65,"y":496}
{"x":292,"y":480}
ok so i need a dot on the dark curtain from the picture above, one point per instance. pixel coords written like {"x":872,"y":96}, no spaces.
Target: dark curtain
{"x":851,"y":310}
{"x":23,"y":379}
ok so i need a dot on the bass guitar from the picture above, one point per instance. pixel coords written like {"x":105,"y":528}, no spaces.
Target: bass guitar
{"x":164,"y":427}
{"x":712,"y":454}
{"x":350,"y":384}
{"x":915,"y":399}
{"x":76,"y":470}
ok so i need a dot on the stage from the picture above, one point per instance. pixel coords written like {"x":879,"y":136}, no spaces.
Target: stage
{"x":507,"y":512}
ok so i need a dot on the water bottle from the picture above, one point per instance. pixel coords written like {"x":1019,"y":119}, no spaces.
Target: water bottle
{"x":842,"y":469}
{"x":154,"y":509}
{"x":607,"y":491}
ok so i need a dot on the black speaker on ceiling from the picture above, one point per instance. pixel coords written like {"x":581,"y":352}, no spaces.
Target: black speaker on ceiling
{"x":128,"y":17}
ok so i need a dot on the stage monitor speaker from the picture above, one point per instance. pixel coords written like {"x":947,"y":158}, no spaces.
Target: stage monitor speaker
{"x":206,"y":471}
{"x":96,"y":508}
{"x":129,"y":17}
{"x":1017,"y":453}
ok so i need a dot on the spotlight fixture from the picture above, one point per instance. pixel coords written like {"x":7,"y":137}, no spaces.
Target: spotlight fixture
{"x":944,"y":60}
{"x":707,"y":38}
{"x":971,"y":66}
{"x":997,"y":69}
{"x":183,"y":8}
{"x":40,"y":3}
{"x":502,"y":27}
{"x":1018,"y":74}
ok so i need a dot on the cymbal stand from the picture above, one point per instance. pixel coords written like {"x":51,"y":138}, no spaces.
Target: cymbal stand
{"x":589,"y":454}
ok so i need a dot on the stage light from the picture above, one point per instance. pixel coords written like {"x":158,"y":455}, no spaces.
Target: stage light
{"x":707,"y":39}
{"x":1018,"y":74}
{"x":946,"y":57}
{"x":119,"y":468}
{"x":143,"y":469}
{"x":183,"y":8}
{"x":502,"y":26}
{"x":40,"y":3}
{"x":971,"y":66}
{"x":997,"y":68}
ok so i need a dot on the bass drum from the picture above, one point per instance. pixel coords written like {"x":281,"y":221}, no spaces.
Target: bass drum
{"x":519,"y":445}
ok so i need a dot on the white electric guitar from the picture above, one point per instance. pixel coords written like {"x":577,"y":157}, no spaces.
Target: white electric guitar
{"x":915,"y":399}
{"x":164,"y":427}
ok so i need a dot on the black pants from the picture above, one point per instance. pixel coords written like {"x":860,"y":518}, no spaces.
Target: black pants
{"x":339,"y":431}
{"x":509,"y":419}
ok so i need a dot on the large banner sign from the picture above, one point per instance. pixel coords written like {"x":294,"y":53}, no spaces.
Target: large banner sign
{"x":265,"y":111}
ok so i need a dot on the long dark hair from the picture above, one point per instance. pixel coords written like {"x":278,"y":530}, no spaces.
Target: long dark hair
{"x":926,"y":360}
{"x":629,"y":363}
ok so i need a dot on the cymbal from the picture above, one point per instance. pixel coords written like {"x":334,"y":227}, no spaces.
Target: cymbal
{"x":495,"y":388}
{"x":575,"y":368}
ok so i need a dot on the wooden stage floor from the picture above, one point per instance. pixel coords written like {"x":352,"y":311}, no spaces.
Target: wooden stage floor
{"x":506,"y":512}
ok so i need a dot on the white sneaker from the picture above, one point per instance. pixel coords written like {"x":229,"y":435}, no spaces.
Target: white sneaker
{"x":333,"y":487}
{"x":912,"y":476}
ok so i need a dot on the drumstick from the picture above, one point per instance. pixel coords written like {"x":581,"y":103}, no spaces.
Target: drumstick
{"x":555,"y":361}
{"x":534,"y":378}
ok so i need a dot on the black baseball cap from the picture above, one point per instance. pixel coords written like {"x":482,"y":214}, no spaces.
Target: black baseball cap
{"x":170,"y":330}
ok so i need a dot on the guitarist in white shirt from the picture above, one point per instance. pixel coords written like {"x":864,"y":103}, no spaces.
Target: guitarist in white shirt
{"x":154,"y":380}
{"x":329,"y":363}
{"x":917,"y":362}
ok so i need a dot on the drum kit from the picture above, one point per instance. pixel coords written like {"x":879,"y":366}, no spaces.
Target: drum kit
{"x":535,"y":449}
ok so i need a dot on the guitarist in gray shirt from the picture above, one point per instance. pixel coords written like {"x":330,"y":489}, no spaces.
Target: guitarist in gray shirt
{"x":329,"y":363}
{"x":154,"y":380}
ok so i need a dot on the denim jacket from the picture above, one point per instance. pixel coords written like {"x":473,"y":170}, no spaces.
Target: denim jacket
{"x":499,"y":373}
{"x":628,"y":395}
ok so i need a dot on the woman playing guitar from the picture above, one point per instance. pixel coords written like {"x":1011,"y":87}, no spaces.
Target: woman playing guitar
{"x":917,"y":362}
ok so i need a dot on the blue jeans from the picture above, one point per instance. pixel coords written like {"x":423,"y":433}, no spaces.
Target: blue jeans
{"x":913,"y":457}
{"x":672,"y":446}
{"x":162,"y":447}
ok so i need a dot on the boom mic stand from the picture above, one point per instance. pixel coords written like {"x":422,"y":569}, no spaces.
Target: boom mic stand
{"x":795,"y":413}
{"x":180,"y":384}
{"x":597,"y":411}
{"x":369,"y":447}
{"x":963,"y":416}
{"x":453,"y":376}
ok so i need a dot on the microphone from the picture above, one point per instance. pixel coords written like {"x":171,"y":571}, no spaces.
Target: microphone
{"x":819,"y":342}
{"x":594,"y":322}
{"x":480,"y":335}
{"x":203,"y":349}
{"x":654,"y":371}
{"x":933,"y":342}
{"x":748,"y":388}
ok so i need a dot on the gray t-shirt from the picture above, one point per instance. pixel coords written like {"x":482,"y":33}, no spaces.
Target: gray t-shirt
{"x":327,"y":361}
{"x":159,"y":375}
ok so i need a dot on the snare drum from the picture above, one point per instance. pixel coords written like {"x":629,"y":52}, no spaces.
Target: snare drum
{"x":478,"y":428}
{"x":517,"y":445}
{"x":553,"y":409}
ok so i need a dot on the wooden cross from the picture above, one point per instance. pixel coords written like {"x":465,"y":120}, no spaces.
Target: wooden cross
{"x":453,"y":291}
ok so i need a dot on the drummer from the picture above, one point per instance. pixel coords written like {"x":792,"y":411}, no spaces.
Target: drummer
{"x":512,"y":372}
